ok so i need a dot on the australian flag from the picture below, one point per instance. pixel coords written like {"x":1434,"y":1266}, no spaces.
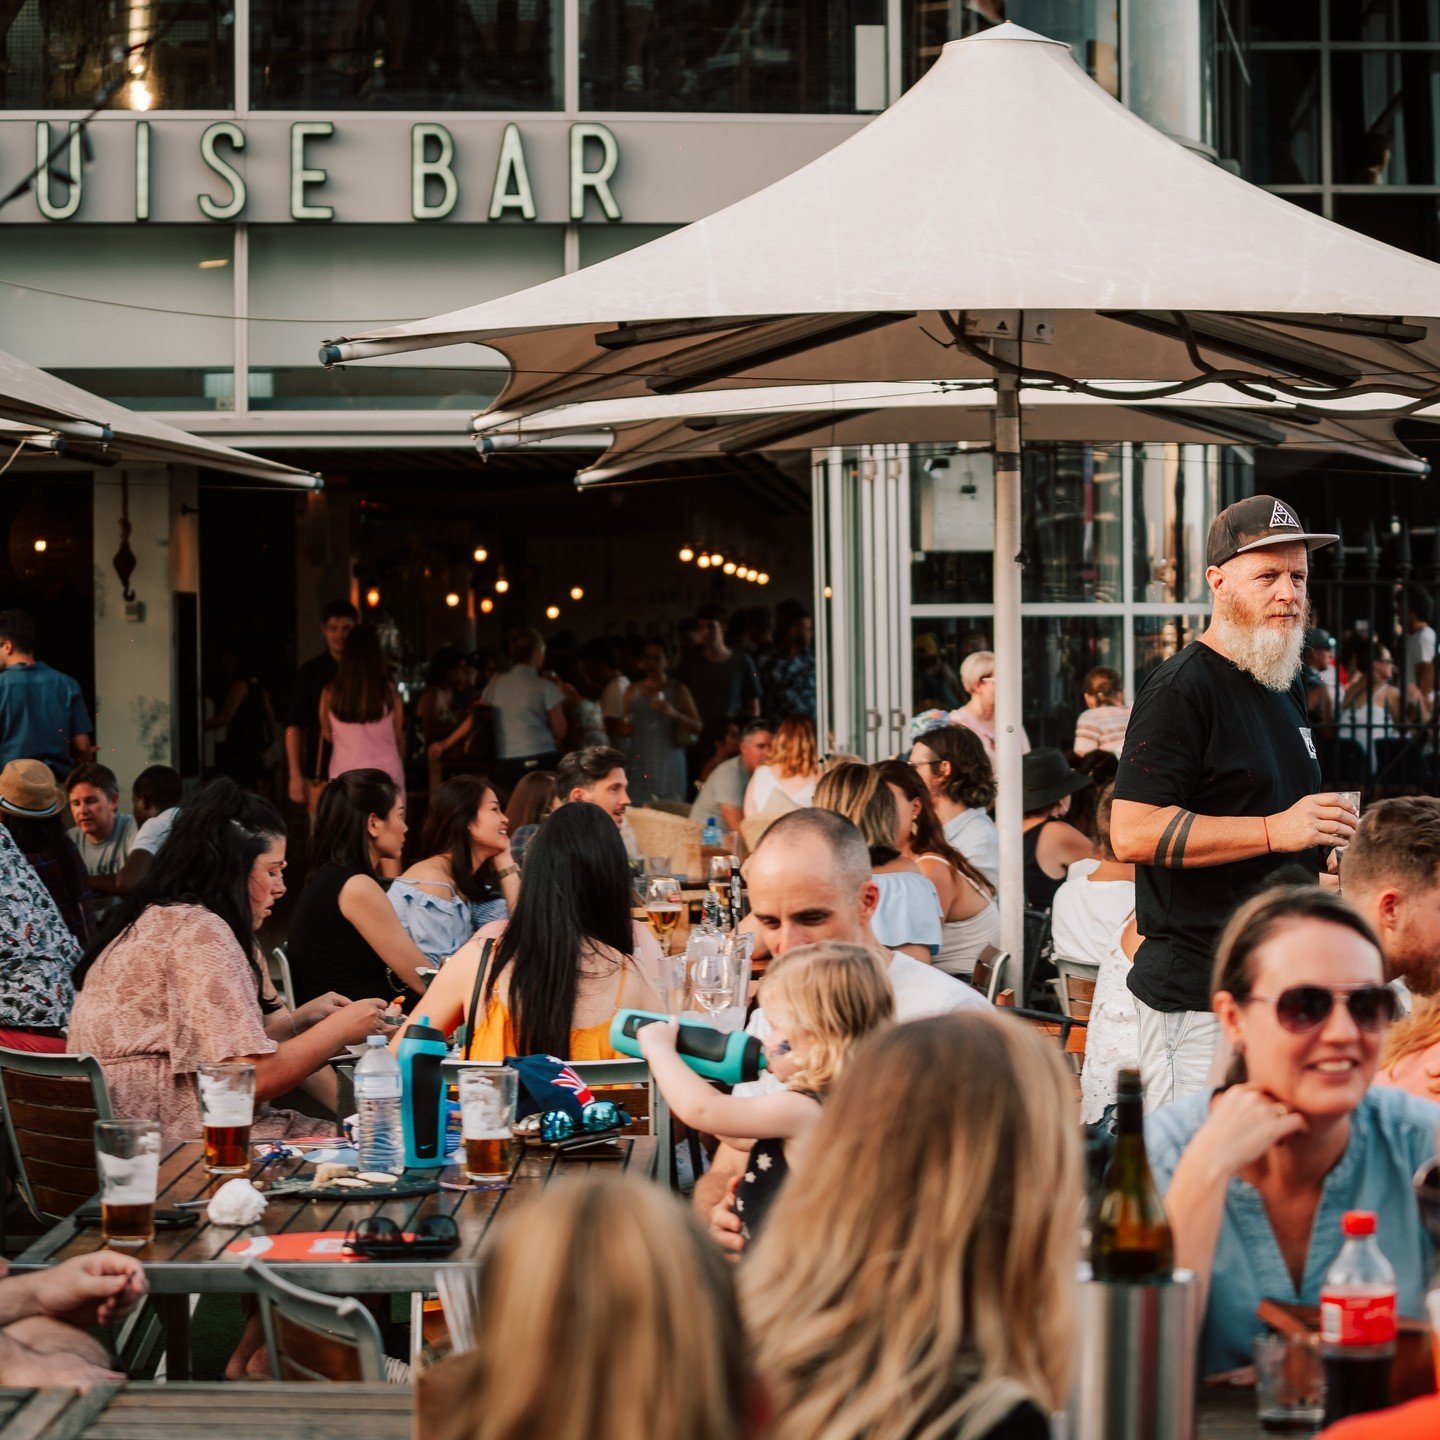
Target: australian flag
{"x":549,"y":1083}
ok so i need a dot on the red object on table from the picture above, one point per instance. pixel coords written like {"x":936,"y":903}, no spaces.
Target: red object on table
{"x":1415,"y":1420}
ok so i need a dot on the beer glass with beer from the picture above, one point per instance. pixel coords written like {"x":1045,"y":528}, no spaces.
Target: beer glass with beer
{"x":487,"y":1121}
{"x":127,"y":1155}
{"x":662,"y":908}
{"x":227,"y":1108}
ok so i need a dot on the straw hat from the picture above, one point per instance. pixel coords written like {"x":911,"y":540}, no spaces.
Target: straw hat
{"x":27,"y":788}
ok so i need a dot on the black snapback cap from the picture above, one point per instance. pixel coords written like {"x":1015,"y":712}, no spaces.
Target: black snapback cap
{"x":1252,"y":525}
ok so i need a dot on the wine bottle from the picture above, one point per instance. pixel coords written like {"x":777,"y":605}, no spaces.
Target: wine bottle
{"x":1130,"y":1239}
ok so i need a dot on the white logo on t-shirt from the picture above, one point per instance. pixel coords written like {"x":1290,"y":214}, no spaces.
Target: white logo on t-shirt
{"x":1309,"y":742}
{"x":1281,"y":516}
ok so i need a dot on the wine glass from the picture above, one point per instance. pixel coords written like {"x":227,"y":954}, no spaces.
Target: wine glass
{"x":662,"y":908}
{"x":714,"y":982}
{"x":720,"y":879}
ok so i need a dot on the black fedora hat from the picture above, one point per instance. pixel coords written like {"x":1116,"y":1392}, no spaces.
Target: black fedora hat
{"x":1048,"y":778}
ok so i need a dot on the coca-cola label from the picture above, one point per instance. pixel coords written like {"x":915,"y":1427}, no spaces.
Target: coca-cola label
{"x":1357,"y":1319}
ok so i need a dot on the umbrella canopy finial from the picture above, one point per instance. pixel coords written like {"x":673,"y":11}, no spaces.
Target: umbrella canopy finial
{"x":1008,"y":30}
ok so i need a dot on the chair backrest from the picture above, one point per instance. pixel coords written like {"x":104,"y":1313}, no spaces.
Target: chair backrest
{"x":1075,"y":987}
{"x":995,"y":975}
{"x":280,"y":958}
{"x":51,"y":1104}
{"x":312,"y":1337}
{"x":752,"y":827}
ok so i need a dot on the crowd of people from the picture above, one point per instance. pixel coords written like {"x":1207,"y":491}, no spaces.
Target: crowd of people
{"x":1263,"y":953}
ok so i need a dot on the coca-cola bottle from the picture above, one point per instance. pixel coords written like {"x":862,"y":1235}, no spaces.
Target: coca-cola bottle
{"x":1357,"y":1322}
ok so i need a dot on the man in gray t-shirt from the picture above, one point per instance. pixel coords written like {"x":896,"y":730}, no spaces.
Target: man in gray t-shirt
{"x":102,"y":834}
{"x":723,"y":794}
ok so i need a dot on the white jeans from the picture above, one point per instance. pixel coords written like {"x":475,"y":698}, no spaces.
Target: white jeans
{"x":1176,"y":1048}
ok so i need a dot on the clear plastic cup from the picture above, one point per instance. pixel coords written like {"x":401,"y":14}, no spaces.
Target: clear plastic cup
{"x":1289,"y":1383}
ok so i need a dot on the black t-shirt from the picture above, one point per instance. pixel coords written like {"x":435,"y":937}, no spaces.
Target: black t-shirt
{"x":304,"y":713}
{"x":326,"y":951}
{"x":1206,"y":735}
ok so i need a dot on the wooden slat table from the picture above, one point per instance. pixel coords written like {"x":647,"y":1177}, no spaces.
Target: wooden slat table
{"x":181,"y":1263}
{"x":193,"y":1412}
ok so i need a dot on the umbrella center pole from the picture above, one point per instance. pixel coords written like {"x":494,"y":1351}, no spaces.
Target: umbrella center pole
{"x":1008,"y":573}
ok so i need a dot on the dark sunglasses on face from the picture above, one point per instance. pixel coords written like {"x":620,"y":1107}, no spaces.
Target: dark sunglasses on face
{"x":1306,"y":1007}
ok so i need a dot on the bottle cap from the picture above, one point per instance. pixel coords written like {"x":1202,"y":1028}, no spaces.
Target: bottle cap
{"x":375,"y":1040}
{"x":1358,"y":1222}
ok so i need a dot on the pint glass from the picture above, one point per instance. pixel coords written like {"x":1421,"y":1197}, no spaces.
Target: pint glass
{"x":227,"y":1108}
{"x":127,"y":1155}
{"x":487,"y":1121}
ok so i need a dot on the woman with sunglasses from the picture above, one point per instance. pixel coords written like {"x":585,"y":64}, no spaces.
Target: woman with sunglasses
{"x":1258,"y":1174}
{"x":961,"y":781}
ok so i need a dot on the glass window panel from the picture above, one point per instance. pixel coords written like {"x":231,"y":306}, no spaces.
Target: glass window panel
{"x":1056,"y":654}
{"x":1177,"y":494}
{"x":343,"y":279}
{"x":1408,"y":221}
{"x":1286,"y":20}
{"x":185,"y":361}
{"x":1091,"y":28}
{"x":1072,"y":519}
{"x":802,"y":56}
{"x":359,"y":55}
{"x":71,"y":54}
{"x":952,"y":525}
{"x":1170,"y":65}
{"x":1285,"y":118}
{"x":939,"y":648}
{"x":1157,"y":638}
{"x":1383,"y":114}
{"x":1376,"y":21}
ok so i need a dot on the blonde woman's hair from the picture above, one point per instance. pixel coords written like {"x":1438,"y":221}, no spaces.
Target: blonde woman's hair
{"x":594,"y":1280}
{"x":974,"y":668}
{"x":917,"y":1277}
{"x":837,"y":994}
{"x":794,"y":750}
{"x":1416,"y":1032}
{"x":856,"y":791}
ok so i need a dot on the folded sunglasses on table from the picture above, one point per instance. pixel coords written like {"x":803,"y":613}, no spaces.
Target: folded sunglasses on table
{"x":377,"y":1237}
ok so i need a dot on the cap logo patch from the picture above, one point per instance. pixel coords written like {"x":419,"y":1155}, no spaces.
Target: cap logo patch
{"x":1281,"y":516}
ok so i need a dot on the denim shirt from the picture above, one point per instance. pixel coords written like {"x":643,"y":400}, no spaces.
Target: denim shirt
{"x":440,"y":925}
{"x":1391,"y":1135}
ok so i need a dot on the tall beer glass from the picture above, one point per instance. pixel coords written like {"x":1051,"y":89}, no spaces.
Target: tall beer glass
{"x":127,"y":1155}
{"x":227,"y":1109}
{"x":487,"y":1121}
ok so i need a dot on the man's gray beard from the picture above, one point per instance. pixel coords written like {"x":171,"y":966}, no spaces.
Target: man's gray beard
{"x":1271,"y":656}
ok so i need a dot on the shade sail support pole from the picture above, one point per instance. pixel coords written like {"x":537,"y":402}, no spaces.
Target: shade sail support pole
{"x":1008,"y":710}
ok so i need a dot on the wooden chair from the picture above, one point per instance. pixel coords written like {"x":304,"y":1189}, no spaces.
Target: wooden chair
{"x":280,"y":961}
{"x":995,"y":974}
{"x":51,"y":1104}
{"x":657,"y":833}
{"x":312,"y":1337}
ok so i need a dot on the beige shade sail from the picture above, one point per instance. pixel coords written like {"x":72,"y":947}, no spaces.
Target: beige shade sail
{"x":51,"y":410}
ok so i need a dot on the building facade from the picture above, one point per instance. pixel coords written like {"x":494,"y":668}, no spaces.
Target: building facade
{"x":259,"y":176}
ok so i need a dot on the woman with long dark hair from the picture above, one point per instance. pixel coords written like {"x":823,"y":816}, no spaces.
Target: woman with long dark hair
{"x":970,"y":920}
{"x":468,"y":876}
{"x":344,"y":935}
{"x":175,"y":980}
{"x":31,"y":803}
{"x":361,"y":714}
{"x":568,"y":959}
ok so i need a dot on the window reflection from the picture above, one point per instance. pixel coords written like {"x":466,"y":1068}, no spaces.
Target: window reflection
{"x":742,"y":56}
{"x":397,"y":55}
{"x":952,"y":525}
{"x":1376,"y":21}
{"x":1056,"y":654}
{"x":74,"y":54}
{"x":1285,"y":118}
{"x":1383,"y":118}
{"x":1091,"y":28}
{"x":1178,"y":491}
{"x":1071,"y":507}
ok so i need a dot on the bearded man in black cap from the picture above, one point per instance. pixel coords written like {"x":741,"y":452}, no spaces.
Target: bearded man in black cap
{"x":1218,"y":783}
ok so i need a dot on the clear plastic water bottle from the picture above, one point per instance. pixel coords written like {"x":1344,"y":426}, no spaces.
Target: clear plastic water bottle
{"x":1357,"y":1322}
{"x":377,"y":1099}
{"x":712,"y":836}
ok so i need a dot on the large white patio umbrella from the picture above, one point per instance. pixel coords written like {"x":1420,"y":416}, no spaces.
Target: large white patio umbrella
{"x":1005,"y":219}
{"x":649,"y":432}
{"x":46,"y":414}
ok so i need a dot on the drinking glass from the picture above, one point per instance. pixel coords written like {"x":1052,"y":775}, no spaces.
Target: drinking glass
{"x":1350,"y":798}
{"x":487,"y":1121}
{"x":127,"y":1155}
{"x":720,"y":867}
{"x":662,"y":908}
{"x":1289,"y":1382}
{"x":227,"y":1110}
{"x":714,"y":981}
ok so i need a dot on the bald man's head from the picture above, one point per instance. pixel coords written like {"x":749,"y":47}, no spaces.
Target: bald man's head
{"x":810,"y":879}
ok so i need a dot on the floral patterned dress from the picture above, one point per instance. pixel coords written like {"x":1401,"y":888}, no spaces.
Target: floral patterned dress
{"x":37,"y":950}
{"x":171,"y":993}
